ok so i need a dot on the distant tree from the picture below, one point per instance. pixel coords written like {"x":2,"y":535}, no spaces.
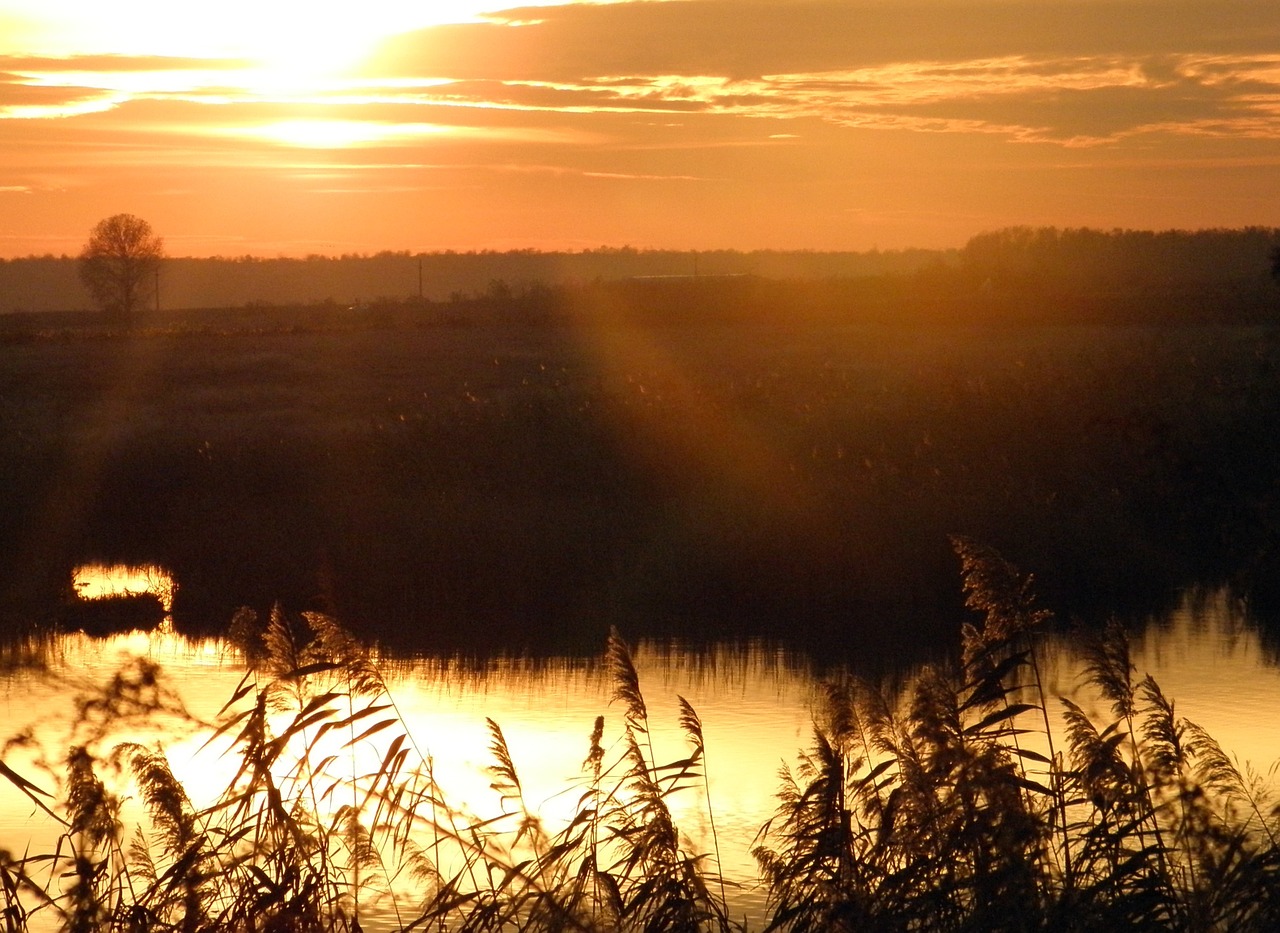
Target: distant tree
{"x":119,"y":264}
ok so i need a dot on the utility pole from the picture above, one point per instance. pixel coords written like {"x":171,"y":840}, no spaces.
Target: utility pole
{"x":419,"y":280}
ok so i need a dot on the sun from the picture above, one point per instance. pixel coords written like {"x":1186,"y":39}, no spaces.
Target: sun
{"x":295,"y":43}
{"x":284,"y":37}
{"x":289,"y":42}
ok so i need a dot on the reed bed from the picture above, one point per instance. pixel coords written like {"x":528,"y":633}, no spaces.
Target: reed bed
{"x":502,"y":486}
{"x":968,"y":801}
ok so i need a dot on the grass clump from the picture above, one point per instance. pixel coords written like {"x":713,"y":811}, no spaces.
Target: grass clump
{"x":956,"y":810}
{"x":317,"y":825}
{"x":960,"y":803}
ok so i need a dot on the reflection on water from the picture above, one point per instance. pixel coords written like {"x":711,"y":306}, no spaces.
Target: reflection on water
{"x":1209,"y":657}
{"x":97,"y":581}
{"x":754,"y":704}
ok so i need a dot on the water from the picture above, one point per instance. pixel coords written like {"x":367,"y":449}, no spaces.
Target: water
{"x":755,"y":705}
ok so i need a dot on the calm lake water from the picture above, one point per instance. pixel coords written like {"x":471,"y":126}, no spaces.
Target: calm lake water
{"x":755,"y":704}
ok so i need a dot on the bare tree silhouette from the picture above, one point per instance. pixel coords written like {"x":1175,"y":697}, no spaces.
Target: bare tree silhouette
{"x":120,"y":264}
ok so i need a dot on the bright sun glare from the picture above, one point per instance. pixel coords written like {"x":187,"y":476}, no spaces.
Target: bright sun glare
{"x":335,"y":134}
{"x":275,"y":51}
{"x":290,"y":39}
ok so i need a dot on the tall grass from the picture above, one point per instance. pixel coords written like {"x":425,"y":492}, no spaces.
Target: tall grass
{"x":969,"y":801}
{"x":955,"y":810}
{"x":312,"y":833}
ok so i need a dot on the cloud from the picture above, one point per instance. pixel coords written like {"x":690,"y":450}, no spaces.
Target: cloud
{"x":1075,"y":72}
{"x":16,"y":92}
{"x":106,"y":64}
{"x":330,"y":133}
{"x":1067,"y":100}
{"x":751,"y":38}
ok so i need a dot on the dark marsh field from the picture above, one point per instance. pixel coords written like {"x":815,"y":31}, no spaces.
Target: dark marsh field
{"x":510,"y":474}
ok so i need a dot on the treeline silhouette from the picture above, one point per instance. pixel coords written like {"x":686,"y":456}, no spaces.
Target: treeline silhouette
{"x":1132,"y":275}
{"x":50,"y":283}
{"x":1047,"y":255}
{"x":1016,"y":274}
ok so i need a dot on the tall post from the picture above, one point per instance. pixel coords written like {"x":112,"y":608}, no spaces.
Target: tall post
{"x":419,"y":280}
{"x":157,"y":289}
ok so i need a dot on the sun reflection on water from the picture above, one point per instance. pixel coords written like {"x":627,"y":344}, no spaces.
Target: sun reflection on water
{"x":99,"y":581}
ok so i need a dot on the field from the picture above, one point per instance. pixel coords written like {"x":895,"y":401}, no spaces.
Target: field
{"x":510,"y":474}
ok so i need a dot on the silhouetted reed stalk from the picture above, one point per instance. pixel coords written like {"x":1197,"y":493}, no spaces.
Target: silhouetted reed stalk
{"x":1138,"y":826}
{"x":930,"y":809}
{"x":994,"y":588}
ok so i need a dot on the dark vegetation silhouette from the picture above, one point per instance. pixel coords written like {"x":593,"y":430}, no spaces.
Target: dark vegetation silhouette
{"x":48,"y":283}
{"x":120,"y":263}
{"x":961,"y":807}
{"x":969,"y":800}
{"x":707,"y":457}
{"x":1101,"y":276}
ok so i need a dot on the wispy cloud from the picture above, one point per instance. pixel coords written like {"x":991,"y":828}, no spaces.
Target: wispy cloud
{"x":1071,"y":73}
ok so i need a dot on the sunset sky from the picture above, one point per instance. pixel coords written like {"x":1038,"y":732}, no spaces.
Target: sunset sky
{"x":287,"y":128}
